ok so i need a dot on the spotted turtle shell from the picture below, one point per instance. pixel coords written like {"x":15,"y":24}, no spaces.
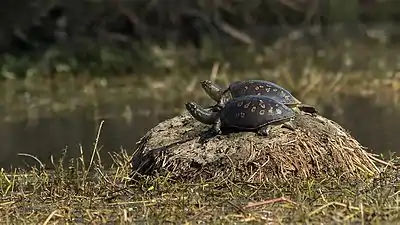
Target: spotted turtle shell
{"x":253,"y":112}
{"x":264,"y":88}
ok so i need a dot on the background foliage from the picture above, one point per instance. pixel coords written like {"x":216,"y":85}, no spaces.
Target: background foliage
{"x":109,"y":35}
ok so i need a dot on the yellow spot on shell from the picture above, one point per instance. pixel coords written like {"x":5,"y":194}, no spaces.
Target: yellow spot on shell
{"x":262,"y":104}
{"x":247,"y":105}
{"x":239,"y":104}
{"x":253,"y":109}
{"x":262,"y":112}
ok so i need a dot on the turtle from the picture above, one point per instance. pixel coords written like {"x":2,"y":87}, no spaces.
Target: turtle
{"x":254,"y":87}
{"x":246,"y":113}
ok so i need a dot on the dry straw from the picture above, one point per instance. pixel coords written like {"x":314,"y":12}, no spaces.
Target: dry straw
{"x":318,"y":147}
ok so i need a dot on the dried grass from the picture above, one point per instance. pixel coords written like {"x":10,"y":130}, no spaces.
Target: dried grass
{"x":318,"y":147}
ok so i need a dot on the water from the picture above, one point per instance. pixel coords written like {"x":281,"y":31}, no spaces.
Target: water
{"x":374,"y":126}
{"x":46,"y":137}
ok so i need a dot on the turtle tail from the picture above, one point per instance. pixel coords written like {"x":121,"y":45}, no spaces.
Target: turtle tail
{"x":308,"y":108}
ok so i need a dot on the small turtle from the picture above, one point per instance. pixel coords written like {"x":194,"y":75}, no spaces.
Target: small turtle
{"x":254,"y":87}
{"x":251,"y":113}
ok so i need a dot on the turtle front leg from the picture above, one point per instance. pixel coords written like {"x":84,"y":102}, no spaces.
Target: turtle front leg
{"x":215,"y":108}
{"x":211,"y":109}
{"x":217,"y":126}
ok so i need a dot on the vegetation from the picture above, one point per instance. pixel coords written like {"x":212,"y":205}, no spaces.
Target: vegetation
{"x":60,"y":56}
{"x":117,"y":37}
{"x":79,"y":192}
{"x":38,"y":96}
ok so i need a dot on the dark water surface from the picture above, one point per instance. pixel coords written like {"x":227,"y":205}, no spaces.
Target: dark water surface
{"x":46,"y":137}
{"x":374,"y":126}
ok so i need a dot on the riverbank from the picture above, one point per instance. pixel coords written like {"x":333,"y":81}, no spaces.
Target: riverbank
{"x":75,"y":192}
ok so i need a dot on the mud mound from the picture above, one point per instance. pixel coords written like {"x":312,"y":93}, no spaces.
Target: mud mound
{"x":180,"y":147}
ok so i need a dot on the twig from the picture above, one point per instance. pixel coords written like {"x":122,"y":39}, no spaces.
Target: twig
{"x":49,"y":217}
{"x":382,"y":161}
{"x":33,"y":157}
{"x":235,"y":33}
{"x":214,"y":71}
{"x":269,"y":201}
{"x":95,"y":150}
{"x":329,"y":204}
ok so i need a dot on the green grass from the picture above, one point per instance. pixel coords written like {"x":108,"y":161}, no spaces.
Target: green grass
{"x":83,"y":191}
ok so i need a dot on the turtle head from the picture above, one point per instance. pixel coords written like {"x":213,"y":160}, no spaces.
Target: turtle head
{"x":212,"y":89}
{"x":201,"y":114}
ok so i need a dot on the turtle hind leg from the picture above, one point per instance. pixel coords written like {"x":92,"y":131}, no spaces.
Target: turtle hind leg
{"x":264,"y":131}
{"x":288,"y":125}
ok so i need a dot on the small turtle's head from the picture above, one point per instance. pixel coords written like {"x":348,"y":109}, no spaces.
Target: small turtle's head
{"x":201,"y":114}
{"x":212,"y":89}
